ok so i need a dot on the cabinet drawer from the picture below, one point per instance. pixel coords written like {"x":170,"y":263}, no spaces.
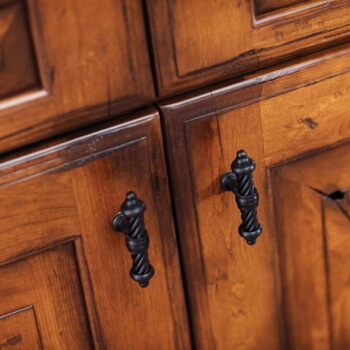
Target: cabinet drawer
{"x":62,"y":262}
{"x":238,"y":293}
{"x":197,"y":42}
{"x":75,"y":64}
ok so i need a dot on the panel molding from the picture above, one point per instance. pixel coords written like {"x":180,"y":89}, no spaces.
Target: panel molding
{"x":24,"y":319}
{"x":259,"y":87}
{"x":271,"y":32}
{"x":81,"y":82}
{"x":18,"y":66}
{"x":314,"y":262}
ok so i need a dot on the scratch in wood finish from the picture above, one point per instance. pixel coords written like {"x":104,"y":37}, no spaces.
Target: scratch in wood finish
{"x":12,"y":341}
{"x":310,"y":122}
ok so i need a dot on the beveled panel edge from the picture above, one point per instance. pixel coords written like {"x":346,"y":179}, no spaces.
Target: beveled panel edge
{"x":234,"y":93}
{"x":77,"y":148}
{"x":10,"y":313}
{"x":238,"y":93}
{"x":291,"y":11}
{"x":22,"y":17}
{"x":170,"y":82}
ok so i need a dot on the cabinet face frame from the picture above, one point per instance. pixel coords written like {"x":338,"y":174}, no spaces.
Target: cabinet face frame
{"x":203,"y":133}
{"x":77,"y":185}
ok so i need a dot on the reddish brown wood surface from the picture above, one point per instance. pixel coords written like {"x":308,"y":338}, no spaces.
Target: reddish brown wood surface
{"x":197,"y":42}
{"x":19,"y":329}
{"x":71,"y":191}
{"x":235,"y":290}
{"x":48,"y":282}
{"x":18,"y":69}
{"x":312,"y":233}
{"x":92,"y":63}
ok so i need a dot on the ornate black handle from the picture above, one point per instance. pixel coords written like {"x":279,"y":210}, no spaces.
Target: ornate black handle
{"x":240,"y":181}
{"x":130,"y":222}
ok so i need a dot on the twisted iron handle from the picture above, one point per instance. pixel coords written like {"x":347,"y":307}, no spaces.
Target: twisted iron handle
{"x":130,"y":222}
{"x":240,"y":181}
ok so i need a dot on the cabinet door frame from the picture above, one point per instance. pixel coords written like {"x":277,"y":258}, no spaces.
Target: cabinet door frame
{"x":92,"y":171}
{"x":263,"y":140}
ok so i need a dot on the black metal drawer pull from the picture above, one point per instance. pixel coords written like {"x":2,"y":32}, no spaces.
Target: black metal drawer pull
{"x":130,"y":222}
{"x":240,"y":181}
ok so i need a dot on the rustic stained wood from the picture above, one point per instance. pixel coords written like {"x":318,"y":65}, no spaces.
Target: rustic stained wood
{"x":235,"y":290}
{"x":18,"y":69}
{"x":86,"y":63}
{"x":314,"y":249}
{"x":65,"y":272}
{"x":69,"y":192}
{"x":198,"y":42}
{"x":46,"y":285}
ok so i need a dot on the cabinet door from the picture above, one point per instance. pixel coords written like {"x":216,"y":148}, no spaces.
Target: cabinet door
{"x":75,"y":64}
{"x":312,"y":213}
{"x":64,"y":271}
{"x":290,"y":288}
{"x":196,"y":42}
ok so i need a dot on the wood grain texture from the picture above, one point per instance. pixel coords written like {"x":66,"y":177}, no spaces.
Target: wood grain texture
{"x":336,"y":228}
{"x":312,"y":116}
{"x":304,"y":102}
{"x":49,"y":281}
{"x":18,"y":69}
{"x":93,"y":63}
{"x":200,"y":42}
{"x":203,"y":133}
{"x":71,"y":191}
{"x":313,"y":248}
{"x":18,"y":329}
{"x":233,"y":288}
{"x":265,"y":6}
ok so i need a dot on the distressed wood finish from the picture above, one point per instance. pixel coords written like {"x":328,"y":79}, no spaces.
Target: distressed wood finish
{"x":235,"y":290}
{"x":265,"y":6}
{"x":18,"y":69}
{"x":92,"y":63}
{"x":48,"y":282}
{"x":200,"y":42}
{"x":314,"y":249}
{"x":19,"y":328}
{"x":70,"y":191}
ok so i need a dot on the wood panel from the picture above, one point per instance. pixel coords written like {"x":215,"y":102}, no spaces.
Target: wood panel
{"x":93,"y":63}
{"x":310,"y":116}
{"x":19,"y":329}
{"x":313,"y":249}
{"x":304,"y":102}
{"x":18,"y":69}
{"x":71,"y":191}
{"x":200,"y":42}
{"x":231,"y":284}
{"x":233,"y":288}
{"x":49,"y":281}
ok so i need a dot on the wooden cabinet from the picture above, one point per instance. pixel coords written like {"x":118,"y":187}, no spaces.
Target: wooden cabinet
{"x":290,"y":289}
{"x":75,"y":65}
{"x":197,"y":42}
{"x":69,"y":279}
{"x":64,"y":272}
